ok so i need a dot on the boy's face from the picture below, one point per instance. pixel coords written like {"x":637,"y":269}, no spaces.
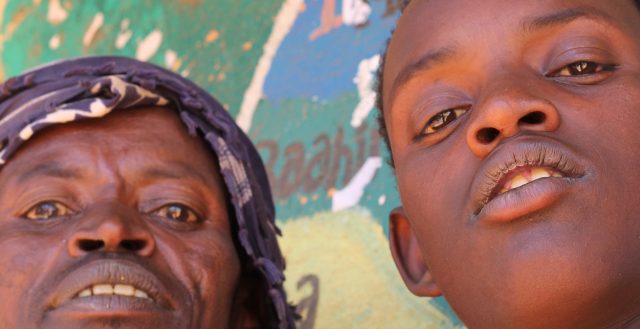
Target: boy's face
{"x":515,"y":133}
{"x":116,"y":223}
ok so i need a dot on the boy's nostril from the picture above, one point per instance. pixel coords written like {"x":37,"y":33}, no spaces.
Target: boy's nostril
{"x":90,"y":245}
{"x":533,"y":118}
{"x":487,"y":135}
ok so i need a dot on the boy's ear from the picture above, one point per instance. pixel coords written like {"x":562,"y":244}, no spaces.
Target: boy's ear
{"x":408,"y":256}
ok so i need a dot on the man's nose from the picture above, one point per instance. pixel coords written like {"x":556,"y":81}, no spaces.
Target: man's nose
{"x":506,"y":110}
{"x":111,"y":227}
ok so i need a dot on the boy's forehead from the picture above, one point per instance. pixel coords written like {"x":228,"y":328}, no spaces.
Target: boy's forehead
{"x":432,"y":30}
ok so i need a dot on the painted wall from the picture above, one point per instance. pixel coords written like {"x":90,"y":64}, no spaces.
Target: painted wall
{"x":298,"y":76}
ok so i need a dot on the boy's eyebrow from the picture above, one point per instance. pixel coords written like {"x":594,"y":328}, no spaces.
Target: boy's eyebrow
{"x":423,"y":63}
{"x":564,"y":17}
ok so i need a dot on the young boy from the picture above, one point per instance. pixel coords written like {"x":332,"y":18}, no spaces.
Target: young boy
{"x":129,"y":198}
{"x":514,"y":131}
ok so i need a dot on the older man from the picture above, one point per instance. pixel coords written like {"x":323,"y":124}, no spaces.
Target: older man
{"x":130,"y":199}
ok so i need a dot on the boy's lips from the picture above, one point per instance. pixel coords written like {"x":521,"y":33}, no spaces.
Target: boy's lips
{"x":523,"y":176}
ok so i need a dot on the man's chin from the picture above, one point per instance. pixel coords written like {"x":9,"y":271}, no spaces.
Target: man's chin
{"x":95,"y":315}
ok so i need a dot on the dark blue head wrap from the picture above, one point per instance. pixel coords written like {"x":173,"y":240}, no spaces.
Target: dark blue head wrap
{"x":84,"y":88}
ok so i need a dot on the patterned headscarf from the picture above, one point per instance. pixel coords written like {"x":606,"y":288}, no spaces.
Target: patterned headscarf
{"x":92,"y":87}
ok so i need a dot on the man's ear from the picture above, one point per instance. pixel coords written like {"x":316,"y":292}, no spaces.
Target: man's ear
{"x":245,"y":312}
{"x":408,"y":256}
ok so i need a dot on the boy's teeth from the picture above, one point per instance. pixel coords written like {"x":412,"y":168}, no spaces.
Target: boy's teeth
{"x":528,"y":177}
{"x":118,"y":289}
{"x":518,"y":181}
{"x":537,"y":173}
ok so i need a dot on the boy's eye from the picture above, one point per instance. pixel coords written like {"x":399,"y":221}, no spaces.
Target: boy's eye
{"x":582,"y":68}
{"x":441,"y":120}
{"x":177,"y":212}
{"x":47,"y":210}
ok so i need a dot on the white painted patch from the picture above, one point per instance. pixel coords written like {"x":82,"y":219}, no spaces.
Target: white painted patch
{"x":56,"y":13}
{"x":170,"y":58}
{"x":284,"y":21}
{"x":54,"y":42}
{"x":365,"y":81}
{"x":124,"y":35}
{"x":382,"y":200}
{"x":95,"y":25}
{"x":351,"y":194}
{"x":355,"y":12}
{"x":149,"y":46}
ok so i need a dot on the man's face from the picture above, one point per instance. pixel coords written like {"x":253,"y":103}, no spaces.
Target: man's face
{"x":115,"y":223}
{"x":515,"y":132}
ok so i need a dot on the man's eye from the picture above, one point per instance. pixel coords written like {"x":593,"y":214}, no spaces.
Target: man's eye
{"x":47,"y":210}
{"x":441,"y":120}
{"x":582,"y":68}
{"x":177,"y":212}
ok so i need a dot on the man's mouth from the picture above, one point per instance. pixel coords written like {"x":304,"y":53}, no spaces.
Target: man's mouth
{"x":111,"y":285}
{"x":107,"y":289}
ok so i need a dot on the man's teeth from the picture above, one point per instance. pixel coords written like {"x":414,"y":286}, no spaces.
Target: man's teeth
{"x":118,"y":289}
{"x":528,"y":176}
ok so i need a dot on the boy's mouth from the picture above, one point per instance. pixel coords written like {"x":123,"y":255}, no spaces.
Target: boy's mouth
{"x":523,"y":178}
{"x":524,"y":175}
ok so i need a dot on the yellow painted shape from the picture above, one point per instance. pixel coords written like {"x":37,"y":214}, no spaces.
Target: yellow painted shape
{"x":359,"y":286}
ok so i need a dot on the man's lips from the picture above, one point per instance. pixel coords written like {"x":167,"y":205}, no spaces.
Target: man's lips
{"x":523,"y":176}
{"x":104,"y":283}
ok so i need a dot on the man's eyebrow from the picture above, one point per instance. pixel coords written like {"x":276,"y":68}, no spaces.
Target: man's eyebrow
{"x":174,"y":170}
{"x":423,"y":63}
{"x":564,"y":17}
{"x":51,"y":169}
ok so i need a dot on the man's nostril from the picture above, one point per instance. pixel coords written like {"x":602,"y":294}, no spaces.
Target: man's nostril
{"x":133,"y":245}
{"x":533,"y":118}
{"x":487,"y":135}
{"x":90,"y":245}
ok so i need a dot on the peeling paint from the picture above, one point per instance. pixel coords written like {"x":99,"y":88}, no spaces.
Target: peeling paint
{"x":365,"y":81}
{"x":54,"y":42}
{"x":283,"y":23}
{"x":124,"y":35}
{"x":149,"y":46}
{"x":355,"y":12}
{"x":351,"y":194}
{"x":170,"y":59}
{"x":56,"y":13}
{"x":93,"y":28}
{"x":212,"y":36}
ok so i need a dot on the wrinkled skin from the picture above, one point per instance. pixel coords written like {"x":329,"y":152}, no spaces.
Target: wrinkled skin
{"x":474,"y":88}
{"x":127,"y":197}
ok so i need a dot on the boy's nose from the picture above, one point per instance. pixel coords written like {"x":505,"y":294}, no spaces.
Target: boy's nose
{"x":504,"y":113}
{"x":111,"y":228}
